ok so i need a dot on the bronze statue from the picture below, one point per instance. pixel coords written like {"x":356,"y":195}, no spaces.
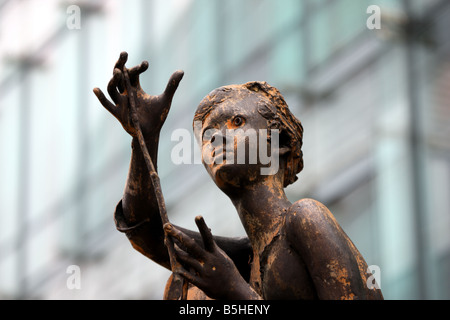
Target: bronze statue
{"x":293,"y":251}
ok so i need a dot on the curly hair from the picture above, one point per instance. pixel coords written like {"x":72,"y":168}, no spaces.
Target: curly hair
{"x":277,"y":114}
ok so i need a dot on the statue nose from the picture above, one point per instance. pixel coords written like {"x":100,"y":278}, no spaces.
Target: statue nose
{"x":217,"y":138}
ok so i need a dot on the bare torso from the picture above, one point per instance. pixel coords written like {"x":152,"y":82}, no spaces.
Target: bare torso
{"x":282,"y":271}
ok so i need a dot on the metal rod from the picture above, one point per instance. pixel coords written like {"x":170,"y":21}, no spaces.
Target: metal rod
{"x":177,"y":280}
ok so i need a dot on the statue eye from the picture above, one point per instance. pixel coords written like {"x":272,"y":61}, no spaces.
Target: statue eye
{"x":238,"y":121}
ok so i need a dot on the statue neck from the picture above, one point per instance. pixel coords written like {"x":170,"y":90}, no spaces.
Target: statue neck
{"x":261,"y":208}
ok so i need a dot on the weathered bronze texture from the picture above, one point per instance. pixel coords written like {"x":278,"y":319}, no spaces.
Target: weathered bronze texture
{"x":176,"y":279}
{"x":293,"y":250}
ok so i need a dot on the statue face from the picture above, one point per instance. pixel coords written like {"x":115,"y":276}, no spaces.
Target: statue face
{"x":234,"y":140}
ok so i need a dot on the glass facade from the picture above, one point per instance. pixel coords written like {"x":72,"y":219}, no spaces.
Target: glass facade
{"x":374,"y":105}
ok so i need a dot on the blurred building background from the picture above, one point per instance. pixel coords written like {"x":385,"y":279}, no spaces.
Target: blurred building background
{"x":374,"y":103}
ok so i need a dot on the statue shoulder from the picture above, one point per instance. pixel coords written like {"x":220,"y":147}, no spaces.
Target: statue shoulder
{"x":334,"y":263}
{"x":307,"y":211}
{"x":309,"y":219}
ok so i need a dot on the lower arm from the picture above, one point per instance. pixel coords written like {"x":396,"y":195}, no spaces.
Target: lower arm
{"x":139,"y":201}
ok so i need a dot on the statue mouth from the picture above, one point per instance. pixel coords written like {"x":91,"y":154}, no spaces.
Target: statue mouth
{"x":220,"y":157}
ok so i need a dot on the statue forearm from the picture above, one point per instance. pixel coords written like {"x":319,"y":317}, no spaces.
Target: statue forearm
{"x":139,"y":201}
{"x":137,"y":215}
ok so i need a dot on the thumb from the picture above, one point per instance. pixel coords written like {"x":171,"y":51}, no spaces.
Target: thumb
{"x":172,"y":85}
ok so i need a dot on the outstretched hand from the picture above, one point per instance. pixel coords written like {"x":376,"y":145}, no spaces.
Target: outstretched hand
{"x":151,"y":110}
{"x":208,"y":267}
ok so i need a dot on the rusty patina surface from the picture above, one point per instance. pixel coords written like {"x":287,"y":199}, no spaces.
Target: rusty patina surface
{"x":292,"y":250}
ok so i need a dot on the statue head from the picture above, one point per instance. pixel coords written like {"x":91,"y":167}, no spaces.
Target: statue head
{"x":250,"y":106}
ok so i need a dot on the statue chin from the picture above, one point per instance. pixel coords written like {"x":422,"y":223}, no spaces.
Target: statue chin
{"x":234,"y":175}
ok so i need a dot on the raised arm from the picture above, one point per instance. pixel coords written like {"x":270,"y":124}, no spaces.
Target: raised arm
{"x":137,"y":214}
